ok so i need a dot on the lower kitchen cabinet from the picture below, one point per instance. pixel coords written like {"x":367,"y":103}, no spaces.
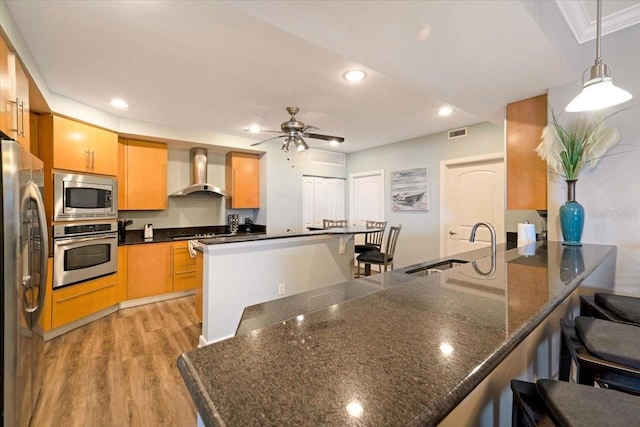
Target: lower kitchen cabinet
{"x":184,"y":267}
{"x":77,"y":301}
{"x":122,"y":273}
{"x":149,"y":270}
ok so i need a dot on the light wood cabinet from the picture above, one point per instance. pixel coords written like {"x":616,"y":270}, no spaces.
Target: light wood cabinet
{"x":243,"y":180}
{"x":83,"y":299}
{"x":122,"y":273}
{"x":83,"y":148}
{"x":149,"y":270}
{"x":142,"y":175}
{"x":5,"y":88}
{"x":526,"y":171}
{"x":184,"y":267}
{"x":14,"y":97}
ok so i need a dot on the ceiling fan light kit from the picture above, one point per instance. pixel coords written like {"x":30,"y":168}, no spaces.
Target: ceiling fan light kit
{"x":598,"y":91}
{"x":294,"y":132}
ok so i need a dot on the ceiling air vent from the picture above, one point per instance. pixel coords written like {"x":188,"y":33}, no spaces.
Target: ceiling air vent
{"x":457,"y":133}
{"x":326,"y":157}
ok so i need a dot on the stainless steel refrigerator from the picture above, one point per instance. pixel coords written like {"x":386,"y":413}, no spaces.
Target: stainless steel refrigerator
{"x":24,"y":272}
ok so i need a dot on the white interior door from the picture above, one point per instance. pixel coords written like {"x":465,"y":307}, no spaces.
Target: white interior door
{"x":474,"y":192}
{"x":366,"y":195}
{"x":322,"y":198}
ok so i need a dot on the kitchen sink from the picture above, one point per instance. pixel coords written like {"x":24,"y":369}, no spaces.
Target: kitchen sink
{"x":437,"y":267}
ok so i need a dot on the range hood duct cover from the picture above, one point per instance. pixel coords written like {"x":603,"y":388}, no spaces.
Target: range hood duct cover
{"x":199,"y":176}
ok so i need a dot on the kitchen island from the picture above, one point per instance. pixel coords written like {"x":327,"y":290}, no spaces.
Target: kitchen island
{"x":430,"y":349}
{"x":240,"y":271}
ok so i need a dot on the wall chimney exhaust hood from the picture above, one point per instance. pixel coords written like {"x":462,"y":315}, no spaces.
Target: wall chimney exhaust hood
{"x":199,"y":177}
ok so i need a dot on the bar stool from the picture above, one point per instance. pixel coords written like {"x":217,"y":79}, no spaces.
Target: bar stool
{"x":617,"y":308}
{"x":381,"y":258}
{"x":604,"y":352}
{"x":372,"y":240}
{"x":552,"y":403}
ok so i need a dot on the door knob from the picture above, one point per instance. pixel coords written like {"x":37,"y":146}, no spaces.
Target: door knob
{"x":452,"y":233}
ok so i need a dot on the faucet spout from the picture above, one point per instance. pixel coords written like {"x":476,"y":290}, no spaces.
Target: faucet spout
{"x":492,"y":230}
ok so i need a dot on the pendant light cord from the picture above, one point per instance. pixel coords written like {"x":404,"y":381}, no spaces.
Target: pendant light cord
{"x":598,"y":19}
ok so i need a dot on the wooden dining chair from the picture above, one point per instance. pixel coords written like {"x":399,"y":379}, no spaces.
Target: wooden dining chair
{"x":373,"y":240}
{"x":381,"y":258}
{"x":333,"y":223}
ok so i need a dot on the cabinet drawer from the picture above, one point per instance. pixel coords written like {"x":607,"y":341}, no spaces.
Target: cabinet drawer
{"x":183,"y":280}
{"x":78,"y":301}
{"x":181,"y":257}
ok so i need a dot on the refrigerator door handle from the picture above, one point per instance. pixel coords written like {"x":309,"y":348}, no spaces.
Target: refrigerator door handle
{"x":44,"y":248}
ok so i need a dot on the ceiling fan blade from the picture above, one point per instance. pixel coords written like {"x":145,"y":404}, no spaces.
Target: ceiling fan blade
{"x":324,"y":137}
{"x":261,"y":130}
{"x":266,"y":140}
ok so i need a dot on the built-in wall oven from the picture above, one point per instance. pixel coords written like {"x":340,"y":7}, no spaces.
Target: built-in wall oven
{"x":84,"y":251}
{"x":82,"y":196}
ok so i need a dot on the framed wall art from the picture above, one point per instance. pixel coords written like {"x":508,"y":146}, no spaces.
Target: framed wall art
{"x":410,"y":190}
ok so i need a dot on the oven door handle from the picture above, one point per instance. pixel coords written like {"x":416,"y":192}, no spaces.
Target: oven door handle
{"x":84,"y":239}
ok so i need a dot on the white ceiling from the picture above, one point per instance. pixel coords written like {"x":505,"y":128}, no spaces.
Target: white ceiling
{"x":221,"y":66}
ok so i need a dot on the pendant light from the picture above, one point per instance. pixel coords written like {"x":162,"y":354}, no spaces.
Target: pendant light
{"x":598,"y":92}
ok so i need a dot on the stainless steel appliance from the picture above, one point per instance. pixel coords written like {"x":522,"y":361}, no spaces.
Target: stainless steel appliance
{"x":24,"y":272}
{"x":84,"y":251}
{"x":82,"y":196}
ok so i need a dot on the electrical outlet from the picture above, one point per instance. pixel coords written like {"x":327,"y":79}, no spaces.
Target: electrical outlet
{"x":281,"y":289}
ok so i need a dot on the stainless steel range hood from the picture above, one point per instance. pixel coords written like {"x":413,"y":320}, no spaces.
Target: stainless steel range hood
{"x":199,"y":177}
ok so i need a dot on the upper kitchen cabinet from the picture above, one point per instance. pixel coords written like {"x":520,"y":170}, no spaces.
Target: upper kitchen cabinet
{"x":243,"y":180}
{"x":526,"y":171}
{"x":142,"y":175}
{"x":14,"y":97}
{"x":83,"y":148}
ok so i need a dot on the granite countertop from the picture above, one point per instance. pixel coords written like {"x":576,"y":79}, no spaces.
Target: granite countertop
{"x":160,"y":235}
{"x":292,"y":234}
{"x":380,"y":348}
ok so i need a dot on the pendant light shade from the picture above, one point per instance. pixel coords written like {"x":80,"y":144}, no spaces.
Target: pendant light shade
{"x":598,"y":91}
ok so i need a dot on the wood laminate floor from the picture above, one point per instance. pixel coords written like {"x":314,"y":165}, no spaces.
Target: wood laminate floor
{"x":121,"y":370}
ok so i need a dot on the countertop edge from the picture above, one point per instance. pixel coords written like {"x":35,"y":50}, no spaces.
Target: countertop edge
{"x":206,"y":408}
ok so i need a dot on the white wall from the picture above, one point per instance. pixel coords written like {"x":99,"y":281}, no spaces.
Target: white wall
{"x":609,"y":193}
{"x":419,"y":238}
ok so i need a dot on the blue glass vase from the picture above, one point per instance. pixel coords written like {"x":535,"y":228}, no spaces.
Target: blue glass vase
{"x":571,"y":217}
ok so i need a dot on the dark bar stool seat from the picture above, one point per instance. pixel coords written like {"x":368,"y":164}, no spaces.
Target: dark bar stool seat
{"x":558,"y":403}
{"x":617,"y":308}
{"x":604,"y":352}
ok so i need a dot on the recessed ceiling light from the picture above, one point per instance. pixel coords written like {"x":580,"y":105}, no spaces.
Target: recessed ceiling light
{"x":119,"y":103}
{"x":355,"y":75}
{"x":254,"y":128}
{"x":445,"y":111}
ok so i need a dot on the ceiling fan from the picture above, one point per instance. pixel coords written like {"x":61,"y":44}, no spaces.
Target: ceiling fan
{"x":294,"y":133}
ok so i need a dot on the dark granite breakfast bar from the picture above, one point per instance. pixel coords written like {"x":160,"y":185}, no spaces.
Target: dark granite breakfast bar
{"x":406,"y":353}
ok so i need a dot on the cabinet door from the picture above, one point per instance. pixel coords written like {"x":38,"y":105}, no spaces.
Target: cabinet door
{"x":122,"y":175}
{"x":5,"y":89}
{"x":149,"y":270}
{"x":146,"y":175}
{"x":103,"y":152}
{"x":526,"y":171}
{"x":71,"y":145}
{"x":22,"y":107}
{"x":243,"y":178}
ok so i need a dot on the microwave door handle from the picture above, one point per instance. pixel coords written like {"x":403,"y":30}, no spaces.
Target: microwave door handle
{"x":84,"y":239}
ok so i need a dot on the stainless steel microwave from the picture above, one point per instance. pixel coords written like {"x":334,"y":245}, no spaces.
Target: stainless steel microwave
{"x":82,"y":196}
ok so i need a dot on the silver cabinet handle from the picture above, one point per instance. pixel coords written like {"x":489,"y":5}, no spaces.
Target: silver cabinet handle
{"x":22,"y":117}
{"x":93,"y":160}
{"x":86,"y":160}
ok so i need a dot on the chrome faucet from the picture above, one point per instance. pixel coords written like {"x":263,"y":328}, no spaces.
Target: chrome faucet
{"x":472,"y":238}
